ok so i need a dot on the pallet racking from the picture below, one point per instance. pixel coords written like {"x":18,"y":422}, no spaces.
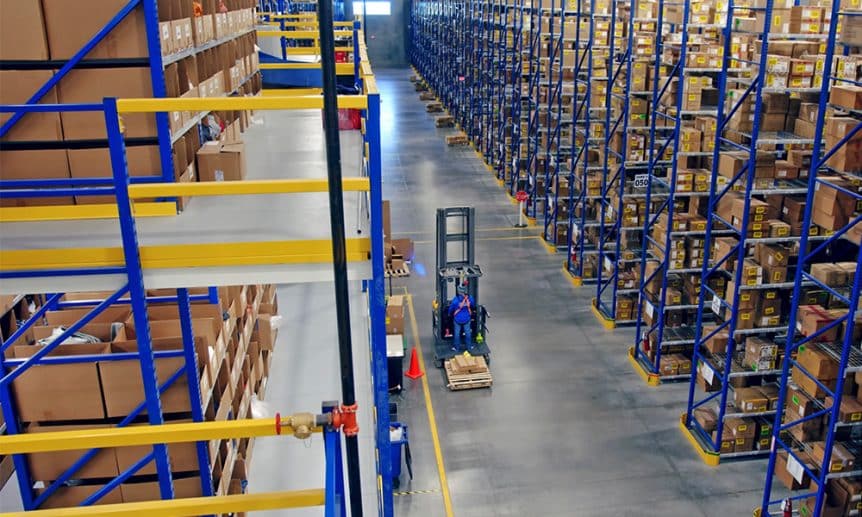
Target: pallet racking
{"x":131,"y":273}
{"x":744,"y":272}
{"x":811,"y":438}
{"x":160,"y":58}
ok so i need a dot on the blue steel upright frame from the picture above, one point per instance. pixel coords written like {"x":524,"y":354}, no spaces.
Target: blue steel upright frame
{"x":579,"y":165}
{"x":134,"y":294}
{"x":725,"y":366}
{"x":533,"y":126}
{"x":518,"y":114}
{"x":617,"y":192}
{"x":845,"y":349}
{"x":555,"y":120}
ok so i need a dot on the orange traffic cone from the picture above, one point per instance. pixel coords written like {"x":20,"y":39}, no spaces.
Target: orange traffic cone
{"x":414,"y":372}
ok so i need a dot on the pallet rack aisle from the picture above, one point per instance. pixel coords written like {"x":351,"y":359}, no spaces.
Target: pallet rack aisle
{"x":816,"y":437}
{"x":742,"y":323}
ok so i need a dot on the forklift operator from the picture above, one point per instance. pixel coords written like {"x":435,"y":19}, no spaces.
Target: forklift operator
{"x":461,"y":310}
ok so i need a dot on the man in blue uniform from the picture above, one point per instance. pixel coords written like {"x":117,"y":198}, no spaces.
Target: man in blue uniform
{"x":461,"y":309}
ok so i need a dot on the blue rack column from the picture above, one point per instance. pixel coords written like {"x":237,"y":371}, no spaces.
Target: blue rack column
{"x":818,"y":417}
{"x":377,"y":307}
{"x":588,"y":85}
{"x":137,"y":292}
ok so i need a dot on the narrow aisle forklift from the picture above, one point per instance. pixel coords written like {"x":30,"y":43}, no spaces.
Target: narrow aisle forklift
{"x":456,"y":266}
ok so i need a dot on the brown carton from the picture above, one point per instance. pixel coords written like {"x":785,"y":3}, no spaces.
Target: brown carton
{"x":817,"y":363}
{"x":16,"y":87}
{"x":59,"y":391}
{"x":69,"y":27}
{"x":47,"y":164}
{"x":92,"y":85}
{"x":48,"y":466}
{"x":221,"y":162}
{"x":22,"y":31}
{"x":812,"y":318}
{"x":750,"y":400}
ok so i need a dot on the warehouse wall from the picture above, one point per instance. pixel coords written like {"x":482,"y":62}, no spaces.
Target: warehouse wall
{"x":388,"y":36}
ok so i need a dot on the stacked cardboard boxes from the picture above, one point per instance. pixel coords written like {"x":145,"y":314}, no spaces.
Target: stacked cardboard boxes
{"x":57,"y":30}
{"x":234,"y":340}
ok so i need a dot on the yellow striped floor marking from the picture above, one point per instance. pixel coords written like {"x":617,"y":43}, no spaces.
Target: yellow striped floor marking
{"x":432,"y":419}
{"x":417,"y":492}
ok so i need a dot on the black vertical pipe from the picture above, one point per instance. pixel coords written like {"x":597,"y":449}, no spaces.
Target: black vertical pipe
{"x":339,"y":247}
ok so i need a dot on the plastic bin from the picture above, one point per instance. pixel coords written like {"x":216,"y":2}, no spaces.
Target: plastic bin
{"x":396,"y":446}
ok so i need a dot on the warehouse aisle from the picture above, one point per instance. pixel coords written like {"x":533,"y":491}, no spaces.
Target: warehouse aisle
{"x":568,"y":428}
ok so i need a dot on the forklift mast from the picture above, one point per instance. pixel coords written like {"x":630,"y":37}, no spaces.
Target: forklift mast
{"x":456,"y":252}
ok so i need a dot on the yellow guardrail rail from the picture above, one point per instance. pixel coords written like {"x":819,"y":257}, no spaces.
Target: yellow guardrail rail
{"x":295,"y":102}
{"x":311,"y":34}
{"x":340,"y":68}
{"x":192,"y":506}
{"x":247,"y":187}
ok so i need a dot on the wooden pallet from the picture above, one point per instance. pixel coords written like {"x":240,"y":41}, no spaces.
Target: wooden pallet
{"x":445,"y":121}
{"x":466,"y":381}
{"x":389,"y":271}
{"x":434,"y":107}
{"x":414,"y":79}
{"x":421,"y":87}
{"x":460,"y":139}
{"x":427,"y":96}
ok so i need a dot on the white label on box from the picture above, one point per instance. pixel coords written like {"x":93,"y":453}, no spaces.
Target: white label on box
{"x":795,"y":468}
{"x":608,"y":264}
{"x":707,"y":373}
{"x":219,"y":175}
{"x":801,"y":411}
{"x":716,"y":305}
{"x":649,"y":309}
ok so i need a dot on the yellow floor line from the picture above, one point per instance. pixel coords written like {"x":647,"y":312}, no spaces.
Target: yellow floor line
{"x":432,"y":419}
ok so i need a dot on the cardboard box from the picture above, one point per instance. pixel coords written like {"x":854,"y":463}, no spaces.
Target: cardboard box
{"x":149,"y":491}
{"x":812,"y":318}
{"x":69,"y":27}
{"x":22,"y":31}
{"x":16,"y":87}
{"x":790,"y":473}
{"x":50,"y":393}
{"x":94,"y":84}
{"x":48,"y":466}
{"x":142,"y":161}
{"x":123,"y":388}
{"x":750,"y":400}
{"x":218,"y":161}
{"x":817,"y":363}
{"x":395,"y":315}
{"x":847,"y":96}
{"x":69,"y":496}
{"x":46,"y":164}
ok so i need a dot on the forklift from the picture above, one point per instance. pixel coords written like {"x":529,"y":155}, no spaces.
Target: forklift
{"x":456,"y":265}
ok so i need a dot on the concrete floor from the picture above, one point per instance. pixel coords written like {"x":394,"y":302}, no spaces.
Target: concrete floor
{"x":568,"y":428}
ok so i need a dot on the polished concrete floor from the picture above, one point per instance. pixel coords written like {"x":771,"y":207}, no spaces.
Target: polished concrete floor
{"x":568,"y":429}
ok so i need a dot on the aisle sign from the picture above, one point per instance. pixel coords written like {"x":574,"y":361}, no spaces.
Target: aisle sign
{"x":641,"y":180}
